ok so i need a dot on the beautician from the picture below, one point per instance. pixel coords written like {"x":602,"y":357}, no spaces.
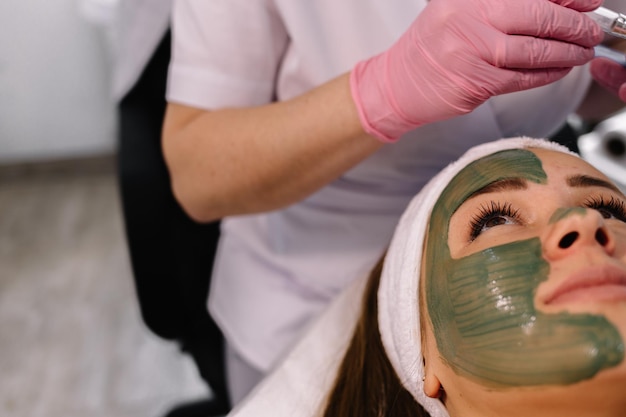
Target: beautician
{"x":309,"y":125}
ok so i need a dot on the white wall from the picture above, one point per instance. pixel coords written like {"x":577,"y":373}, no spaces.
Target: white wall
{"x":54,"y":83}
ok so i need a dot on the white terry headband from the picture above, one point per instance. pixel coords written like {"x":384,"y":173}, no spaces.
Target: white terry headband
{"x":398,"y":307}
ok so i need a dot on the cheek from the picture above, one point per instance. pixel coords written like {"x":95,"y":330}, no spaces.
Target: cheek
{"x":620,"y":246}
{"x":491,"y":288}
{"x":487,"y":327}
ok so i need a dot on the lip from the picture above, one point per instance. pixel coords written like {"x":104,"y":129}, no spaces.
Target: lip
{"x":596,"y":283}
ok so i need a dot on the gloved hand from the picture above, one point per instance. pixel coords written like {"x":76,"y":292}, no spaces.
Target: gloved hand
{"x":610,"y":75}
{"x":459,"y":53}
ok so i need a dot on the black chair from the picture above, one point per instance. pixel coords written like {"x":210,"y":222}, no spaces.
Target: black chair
{"x":568,"y":136}
{"x":171,"y":255}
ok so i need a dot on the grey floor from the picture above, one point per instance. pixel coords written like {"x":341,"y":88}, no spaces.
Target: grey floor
{"x":71,"y":340}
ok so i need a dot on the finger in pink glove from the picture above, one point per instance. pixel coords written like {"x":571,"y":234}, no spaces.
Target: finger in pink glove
{"x":610,"y":75}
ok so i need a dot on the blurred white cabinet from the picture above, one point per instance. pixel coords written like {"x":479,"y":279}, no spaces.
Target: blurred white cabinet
{"x":605,"y":148}
{"x":55,"y":70}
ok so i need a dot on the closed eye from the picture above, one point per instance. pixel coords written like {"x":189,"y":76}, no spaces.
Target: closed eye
{"x":610,"y":209}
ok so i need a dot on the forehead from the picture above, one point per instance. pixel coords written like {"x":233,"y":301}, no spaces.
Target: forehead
{"x":513,"y":163}
{"x":559,"y":164}
{"x":536,"y":165}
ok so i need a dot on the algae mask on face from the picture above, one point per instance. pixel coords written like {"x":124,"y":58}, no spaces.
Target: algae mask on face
{"x":482,"y":306}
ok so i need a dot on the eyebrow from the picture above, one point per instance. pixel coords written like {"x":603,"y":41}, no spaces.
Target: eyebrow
{"x":587,"y":181}
{"x":512,"y":184}
{"x":505,"y":184}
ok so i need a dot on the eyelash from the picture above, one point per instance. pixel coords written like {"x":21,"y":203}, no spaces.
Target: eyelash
{"x":613,"y":207}
{"x":494,"y":210}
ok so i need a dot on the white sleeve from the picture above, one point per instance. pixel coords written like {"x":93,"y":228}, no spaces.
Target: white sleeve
{"x":300,"y":385}
{"x":225,"y":53}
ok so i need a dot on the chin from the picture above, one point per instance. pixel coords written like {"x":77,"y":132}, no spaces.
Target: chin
{"x":613,"y":310}
{"x":600,"y":396}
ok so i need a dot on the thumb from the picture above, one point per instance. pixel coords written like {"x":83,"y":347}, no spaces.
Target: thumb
{"x":609,"y":75}
{"x":622,"y":93}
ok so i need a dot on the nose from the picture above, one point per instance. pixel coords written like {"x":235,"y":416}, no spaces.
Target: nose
{"x":575,"y":229}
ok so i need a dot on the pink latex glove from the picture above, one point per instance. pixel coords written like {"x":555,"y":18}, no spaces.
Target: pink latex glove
{"x":459,"y":53}
{"x":610,"y":75}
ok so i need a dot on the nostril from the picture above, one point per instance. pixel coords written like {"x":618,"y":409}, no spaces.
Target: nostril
{"x":601,"y":237}
{"x":567,"y":240}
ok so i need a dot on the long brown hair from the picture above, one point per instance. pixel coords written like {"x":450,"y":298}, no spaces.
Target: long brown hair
{"x":366,"y":384}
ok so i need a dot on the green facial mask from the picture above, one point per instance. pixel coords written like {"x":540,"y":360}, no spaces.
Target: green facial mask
{"x":481,"y":306}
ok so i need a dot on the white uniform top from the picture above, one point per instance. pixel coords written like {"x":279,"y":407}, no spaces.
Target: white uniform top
{"x":139,"y":27}
{"x":276,"y":270}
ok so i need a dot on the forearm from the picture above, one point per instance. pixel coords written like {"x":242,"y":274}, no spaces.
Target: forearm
{"x":239,"y":161}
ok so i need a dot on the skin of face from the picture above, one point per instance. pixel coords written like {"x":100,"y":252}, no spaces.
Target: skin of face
{"x":526,"y":289}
